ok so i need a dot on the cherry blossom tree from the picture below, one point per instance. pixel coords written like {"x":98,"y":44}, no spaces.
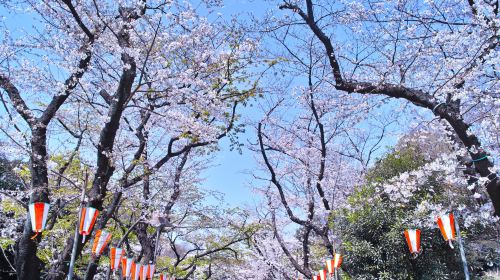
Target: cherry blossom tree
{"x":413,"y":57}
{"x":135,"y":84}
{"x":310,"y":164}
{"x":438,"y":56}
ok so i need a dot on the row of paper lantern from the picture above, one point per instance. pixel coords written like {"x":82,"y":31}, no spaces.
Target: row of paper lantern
{"x":445,"y":223}
{"x":331,"y":267}
{"x":130,"y":269}
{"x":40,"y":210}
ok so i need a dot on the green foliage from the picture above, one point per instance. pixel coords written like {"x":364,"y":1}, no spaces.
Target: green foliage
{"x":6,"y":242}
{"x":8,"y":178}
{"x":395,"y":163}
{"x":9,"y":206}
{"x":373,"y":230}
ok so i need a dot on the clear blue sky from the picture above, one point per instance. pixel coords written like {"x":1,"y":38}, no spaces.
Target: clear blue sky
{"x":230,"y":171}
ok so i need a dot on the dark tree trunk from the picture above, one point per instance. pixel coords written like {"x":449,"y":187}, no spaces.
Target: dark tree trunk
{"x":101,"y":224}
{"x":91,"y":269}
{"x":27,"y":264}
{"x":105,"y":146}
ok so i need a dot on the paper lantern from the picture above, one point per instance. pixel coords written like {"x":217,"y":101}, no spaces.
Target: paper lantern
{"x":101,"y":240}
{"x":331,"y":265}
{"x":87,"y":220}
{"x":136,"y":275}
{"x":322,"y":274}
{"x":144,"y":271}
{"x":128,"y":267}
{"x":413,"y":240}
{"x":164,"y":277}
{"x":116,"y":255}
{"x":39,"y":212}
{"x":447,"y":227}
{"x":151,"y":271}
{"x":337,"y":260}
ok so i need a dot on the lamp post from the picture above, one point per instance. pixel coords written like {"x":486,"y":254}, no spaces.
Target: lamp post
{"x":462,"y":250}
{"x":77,"y":235}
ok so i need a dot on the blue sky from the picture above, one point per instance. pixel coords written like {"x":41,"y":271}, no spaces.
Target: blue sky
{"x":230,"y":171}
{"x":227,"y":173}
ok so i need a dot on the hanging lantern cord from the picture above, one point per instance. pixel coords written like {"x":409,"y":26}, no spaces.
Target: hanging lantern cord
{"x":480,"y":159}
{"x":34,"y":236}
{"x":435,"y":107}
{"x":451,"y":244}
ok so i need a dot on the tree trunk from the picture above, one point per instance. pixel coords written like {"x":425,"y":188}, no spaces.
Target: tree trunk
{"x":26,"y":262}
{"x":92,"y":266}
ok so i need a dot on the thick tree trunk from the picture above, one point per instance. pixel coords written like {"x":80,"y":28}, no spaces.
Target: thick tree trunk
{"x":147,"y":243}
{"x":101,"y":224}
{"x":26,"y":262}
{"x":107,"y":137}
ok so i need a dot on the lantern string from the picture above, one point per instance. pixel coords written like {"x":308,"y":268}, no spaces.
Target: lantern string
{"x":34,"y":236}
{"x":480,"y":159}
{"x":83,"y":239}
{"x":435,"y":107}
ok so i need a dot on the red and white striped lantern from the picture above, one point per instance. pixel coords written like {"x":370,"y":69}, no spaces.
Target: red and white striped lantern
{"x":128,"y":267}
{"x":331,"y":265}
{"x":413,"y":240}
{"x":87,"y":220}
{"x":39,"y":212}
{"x":138,"y":271}
{"x":151,"y":271}
{"x":322,"y":274}
{"x":101,"y":240}
{"x":337,"y":260}
{"x":144,"y":271}
{"x":164,"y":277}
{"x":447,"y":227}
{"x":116,"y":255}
